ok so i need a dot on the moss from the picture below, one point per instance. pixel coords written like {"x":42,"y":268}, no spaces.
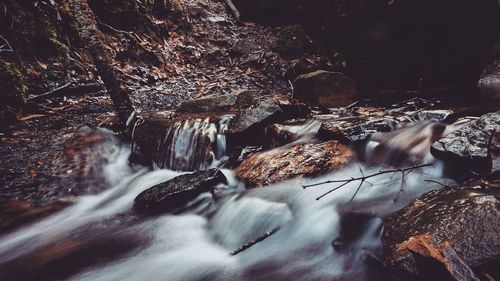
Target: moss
{"x":35,"y":29}
{"x":292,"y":41}
{"x":13,"y":90}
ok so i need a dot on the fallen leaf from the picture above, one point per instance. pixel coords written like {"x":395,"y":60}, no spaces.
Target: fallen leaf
{"x":31,"y":117}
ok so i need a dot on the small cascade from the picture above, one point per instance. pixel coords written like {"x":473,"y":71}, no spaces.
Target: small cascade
{"x":195,"y":144}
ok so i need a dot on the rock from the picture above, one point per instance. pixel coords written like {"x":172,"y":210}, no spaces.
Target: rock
{"x":489,"y":83}
{"x":248,"y":125}
{"x":307,"y":64}
{"x":299,"y":160}
{"x":79,"y":166}
{"x":245,"y":47}
{"x":356,"y":130}
{"x":292,"y":41}
{"x":467,"y":148}
{"x":325,"y":88}
{"x":218,"y":103}
{"x":291,"y":130}
{"x":176,"y":192}
{"x":495,"y":152}
{"x":436,"y":226}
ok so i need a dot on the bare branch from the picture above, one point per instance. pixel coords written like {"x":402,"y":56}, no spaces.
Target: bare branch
{"x":364,"y":178}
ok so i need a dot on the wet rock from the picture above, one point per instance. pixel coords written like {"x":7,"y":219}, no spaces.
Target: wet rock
{"x":299,"y":160}
{"x":495,"y":152}
{"x":282,"y":133}
{"x":325,"y":88}
{"x":78,"y":167}
{"x":178,"y":191}
{"x":248,"y":125}
{"x":292,"y":41}
{"x":356,"y":130}
{"x":468,"y":147}
{"x":489,"y":83}
{"x":454,"y":229}
{"x":218,"y":103}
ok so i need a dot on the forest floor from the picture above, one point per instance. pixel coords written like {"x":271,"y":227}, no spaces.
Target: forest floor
{"x":206,"y":52}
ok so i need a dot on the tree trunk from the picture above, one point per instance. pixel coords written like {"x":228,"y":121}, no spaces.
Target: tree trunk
{"x":93,"y":40}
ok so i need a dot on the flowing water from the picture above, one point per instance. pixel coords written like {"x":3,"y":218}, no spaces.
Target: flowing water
{"x":101,"y":238}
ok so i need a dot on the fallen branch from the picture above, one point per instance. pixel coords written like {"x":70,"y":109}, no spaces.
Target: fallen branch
{"x":6,"y":43}
{"x":49,"y":93}
{"x":363,"y":179}
{"x":253,"y":242}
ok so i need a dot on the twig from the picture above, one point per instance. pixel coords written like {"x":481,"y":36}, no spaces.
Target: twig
{"x":364,"y":178}
{"x":233,"y":8}
{"x":9,"y":47}
{"x":440,"y":183}
{"x":253,"y":242}
{"x":49,"y":93}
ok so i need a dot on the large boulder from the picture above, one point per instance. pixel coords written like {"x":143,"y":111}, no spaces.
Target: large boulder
{"x":467,"y":148}
{"x":393,"y":44}
{"x":325,"y":88}
{"x":298,"y":160}
{"x":444,"y":231}
{"x":178,"y":191}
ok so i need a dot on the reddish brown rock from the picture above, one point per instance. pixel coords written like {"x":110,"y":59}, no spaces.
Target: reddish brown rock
{"x":299,"y":160}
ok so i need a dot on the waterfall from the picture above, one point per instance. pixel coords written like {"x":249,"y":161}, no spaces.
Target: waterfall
{"x":193,"y":144}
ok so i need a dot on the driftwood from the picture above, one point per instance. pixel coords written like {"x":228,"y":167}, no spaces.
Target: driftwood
{"x":94,"y":41}
{"x":363,"y":179}
{"x":68,"y":90}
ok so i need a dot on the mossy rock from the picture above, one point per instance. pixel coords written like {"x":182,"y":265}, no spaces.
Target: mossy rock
{"x":292,"y":41}
{"x":12,"y":88}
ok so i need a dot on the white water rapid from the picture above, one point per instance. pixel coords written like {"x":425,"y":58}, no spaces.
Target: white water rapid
{"x":100,"y":238}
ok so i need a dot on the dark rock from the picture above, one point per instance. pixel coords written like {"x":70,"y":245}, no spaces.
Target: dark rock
{"x":299,"y":160}
{"x":248,"y":125}
{"x":356,"y":130}
{"x":495,"y":152}
{"x":489,"y":83}
{"x":307,"y":64}
{"x":292,"y":41}
{"x":438,"y":224}
{"x":448,"y":40}
{"x":325,"y":88}
{"x":468,"y":147}
{"x":176,"y":192}
{"x":218,"y":103}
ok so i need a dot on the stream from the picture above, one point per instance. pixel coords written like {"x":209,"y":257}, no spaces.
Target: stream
{"x":100,"y":237}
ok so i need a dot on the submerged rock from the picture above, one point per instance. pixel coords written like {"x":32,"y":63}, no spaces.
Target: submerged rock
{"x":456,"y":229}
{"x":298,"y":160}
{"x":325,"y":88}
{"x":218,"y":103}
{"x":178,"y":191}
{"x":468,"y":147}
